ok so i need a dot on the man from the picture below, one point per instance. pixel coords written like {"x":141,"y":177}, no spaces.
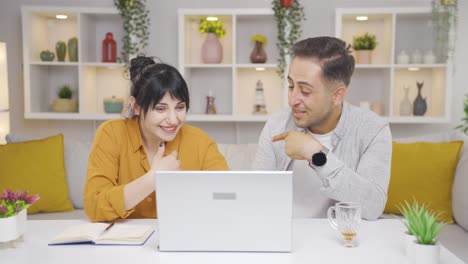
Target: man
{"x":338,"y":152}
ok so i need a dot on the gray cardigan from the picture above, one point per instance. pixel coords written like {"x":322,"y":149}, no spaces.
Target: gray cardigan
{"x":357,"y":170}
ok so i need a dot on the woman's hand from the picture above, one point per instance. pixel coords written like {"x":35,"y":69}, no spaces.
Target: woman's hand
{"x":167,"y":163}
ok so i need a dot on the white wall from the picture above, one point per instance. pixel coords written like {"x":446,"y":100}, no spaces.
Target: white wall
{"x":163,"y":43}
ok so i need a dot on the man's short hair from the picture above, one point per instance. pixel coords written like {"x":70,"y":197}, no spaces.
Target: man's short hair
{"x":332,"y":54}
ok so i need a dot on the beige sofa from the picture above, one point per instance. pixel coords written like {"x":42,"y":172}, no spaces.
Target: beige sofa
{"x":241,"y":156}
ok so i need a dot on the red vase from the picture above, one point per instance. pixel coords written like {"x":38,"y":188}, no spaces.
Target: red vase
{"x":286,"y":3}
{"x":258,"y":54}
{"x":109,"y":49}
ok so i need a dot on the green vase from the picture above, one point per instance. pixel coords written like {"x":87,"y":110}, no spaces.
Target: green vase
{"x":60,"y":49}
{"x":73,"y":49}
{"x":47,"y":55}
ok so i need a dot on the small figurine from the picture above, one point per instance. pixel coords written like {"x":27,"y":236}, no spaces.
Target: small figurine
{"x":259,"y":106}
{"x":210,"y":105}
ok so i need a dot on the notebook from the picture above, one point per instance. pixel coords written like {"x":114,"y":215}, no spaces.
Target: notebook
{"x":224,"y":210}
{"x":104,"y":234}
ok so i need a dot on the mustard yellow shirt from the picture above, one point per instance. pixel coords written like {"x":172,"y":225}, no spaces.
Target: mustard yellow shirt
{"x":117,"y":157}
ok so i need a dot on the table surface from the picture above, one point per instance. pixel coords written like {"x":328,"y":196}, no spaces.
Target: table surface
{"x":379,"y":241}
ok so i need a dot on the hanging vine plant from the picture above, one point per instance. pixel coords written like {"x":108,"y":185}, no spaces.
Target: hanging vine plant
{"x":289,"y":15}
{"x":135,"y":23}
{"x":444,"y":23}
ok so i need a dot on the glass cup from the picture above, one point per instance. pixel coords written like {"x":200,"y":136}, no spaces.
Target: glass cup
{"x":345,"y":217}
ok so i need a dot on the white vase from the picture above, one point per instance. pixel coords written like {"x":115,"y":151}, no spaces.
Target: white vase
{"x":425,"y":254}
{"x":11,"y":228}
{"x":406,"y":107}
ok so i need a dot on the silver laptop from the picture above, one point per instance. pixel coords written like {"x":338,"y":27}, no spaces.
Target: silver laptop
{"x":224,"y":210}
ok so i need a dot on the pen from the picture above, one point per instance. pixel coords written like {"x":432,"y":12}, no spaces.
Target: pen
{"x":109,"y":227}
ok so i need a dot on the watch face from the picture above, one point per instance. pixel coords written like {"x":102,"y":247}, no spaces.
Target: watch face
{"x":319,"y":159}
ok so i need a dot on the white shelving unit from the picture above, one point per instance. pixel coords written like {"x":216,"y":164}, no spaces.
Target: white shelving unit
{"x":397,"y":29}
{"x":233,"y":81}
{"x":90,"y":79}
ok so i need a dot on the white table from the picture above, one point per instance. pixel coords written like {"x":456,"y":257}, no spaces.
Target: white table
{"x":314,"y":241}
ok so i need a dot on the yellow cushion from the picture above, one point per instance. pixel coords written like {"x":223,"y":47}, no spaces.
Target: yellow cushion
{"x":425,"y":171}
{"x":37,"y":166}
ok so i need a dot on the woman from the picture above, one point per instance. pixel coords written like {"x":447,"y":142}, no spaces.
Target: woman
{"x":127,"y":152}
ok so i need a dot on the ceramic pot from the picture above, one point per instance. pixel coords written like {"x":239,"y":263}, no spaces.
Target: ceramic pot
{"x":403,"y":58}
{"x":212,"y":51}
{"x":363,"y":56}
{"x":416,"y":57}
{"x":11,"y":228}
{"x":73,"y":49}
{"x":258,"y":54}
{"x":47,"y":55}
{"x":113,"y":105}
{"x":65,"y":105}
{"x":61,"y":49}
{"x":425,"y":254}
{"x":409,"y":241}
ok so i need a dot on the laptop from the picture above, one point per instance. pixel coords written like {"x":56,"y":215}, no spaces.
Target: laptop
{"x":224,"y":210}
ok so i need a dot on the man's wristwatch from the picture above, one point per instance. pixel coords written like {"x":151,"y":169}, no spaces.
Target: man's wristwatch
{"x":319,"y":159}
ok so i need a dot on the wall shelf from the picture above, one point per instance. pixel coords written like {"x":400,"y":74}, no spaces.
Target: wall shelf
{"x":382,"y":82}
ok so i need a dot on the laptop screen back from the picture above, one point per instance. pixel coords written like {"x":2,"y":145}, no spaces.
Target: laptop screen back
{"x":224,"y":210}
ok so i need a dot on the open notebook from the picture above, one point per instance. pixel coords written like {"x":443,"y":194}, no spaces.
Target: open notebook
{"x":101,"y":234}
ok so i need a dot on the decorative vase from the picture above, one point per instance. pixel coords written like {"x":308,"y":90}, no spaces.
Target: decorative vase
{"x":210,"y":104}
{"x":405,"y":105}
{"x":61,"y":50}
{"x":425,"y":254}
{"x":11,"y":228}
{"x":419,"y":105}
{"x":363,"y":56}
{"x":258,"y":54}
{"x":212,"y":51}
{"x":286,"y":3}
{"x":63,"y":105}
{"x":47,"y":55}
{"x":73,"y":49}
{"x":109,"y":48}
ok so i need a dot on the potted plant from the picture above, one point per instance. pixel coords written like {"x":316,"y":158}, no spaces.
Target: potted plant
{"x":212,"y":50}
{"x":424,"y":226}
{"x":464,"y":125}
{"x":13,"y":214}
{"x":426,"y":249}
{"x":363,"y":46}
{"x":289,"y":16}
{"x":444,"y":23}
{"x":135,"y":24}
{"x":258,"y":54}
{"x":65,"y":103}
{"x":410,"y":213}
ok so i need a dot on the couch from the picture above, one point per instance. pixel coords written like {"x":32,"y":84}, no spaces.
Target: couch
{"x":240,"y":157}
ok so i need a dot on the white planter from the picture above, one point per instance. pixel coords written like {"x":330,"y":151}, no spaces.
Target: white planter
{"x":409,"y":241}
{"x":425,"y":254}
{"x":11,"y":228}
